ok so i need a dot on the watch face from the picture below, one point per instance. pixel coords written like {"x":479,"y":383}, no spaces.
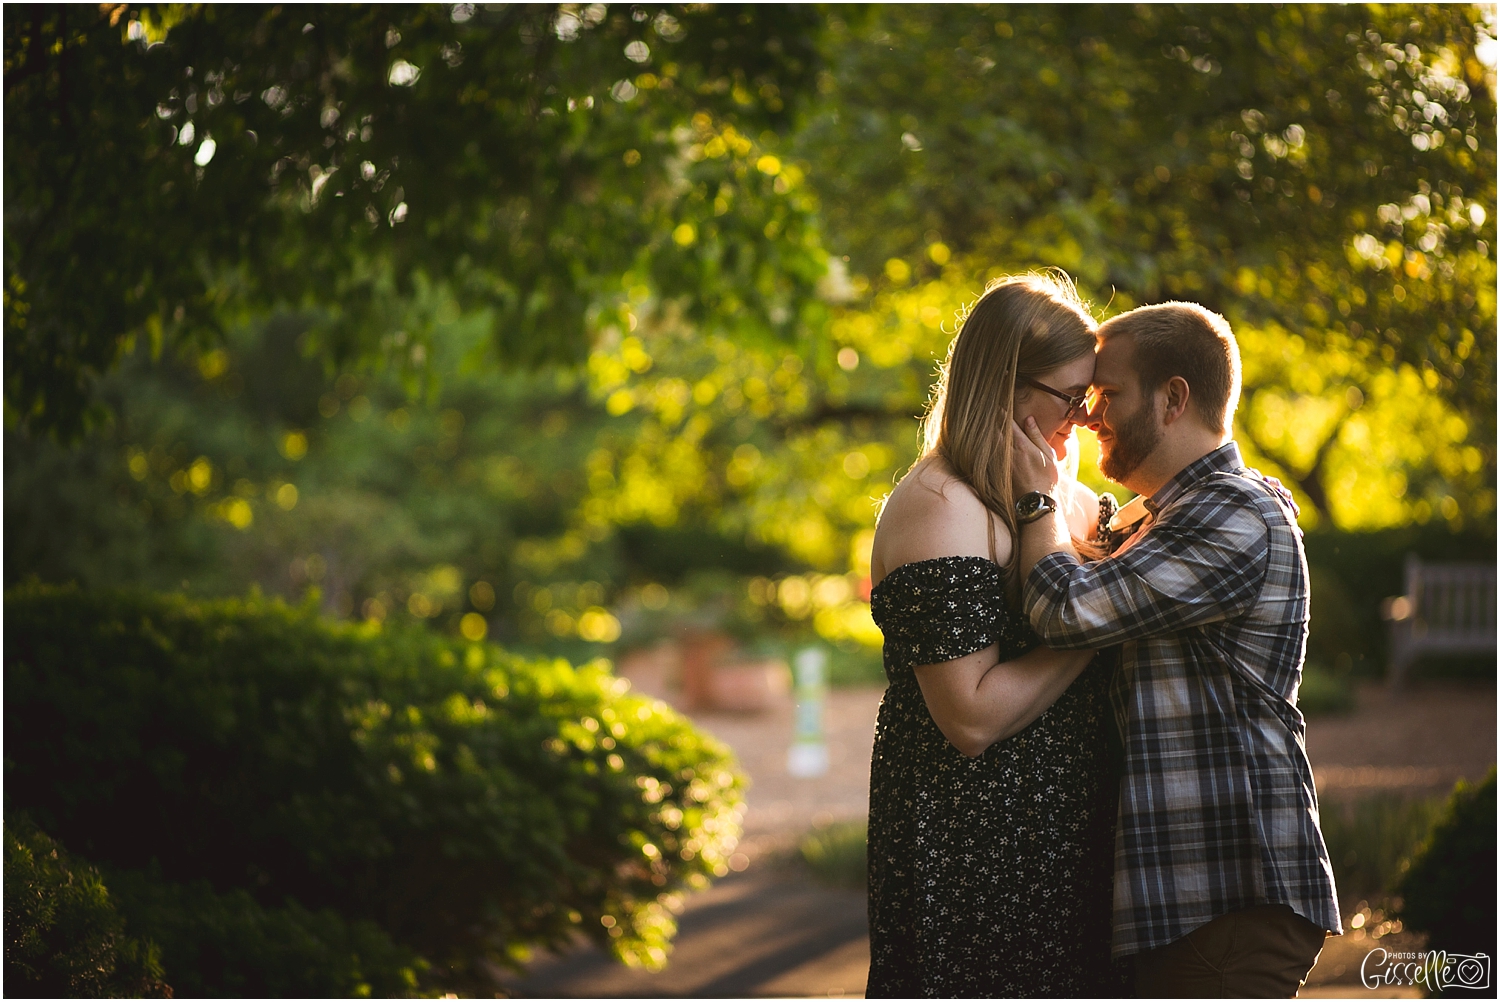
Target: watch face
{"x":1034,"y":504}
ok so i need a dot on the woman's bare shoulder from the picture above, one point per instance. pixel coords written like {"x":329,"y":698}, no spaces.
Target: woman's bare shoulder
{"x":930,"y":489}
{"x":930,"y":514}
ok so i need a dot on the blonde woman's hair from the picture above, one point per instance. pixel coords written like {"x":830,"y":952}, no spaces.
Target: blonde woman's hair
{"x":1022,"y":327}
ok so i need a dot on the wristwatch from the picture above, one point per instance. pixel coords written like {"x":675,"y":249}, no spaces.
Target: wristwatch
{"x":1030,"y":507}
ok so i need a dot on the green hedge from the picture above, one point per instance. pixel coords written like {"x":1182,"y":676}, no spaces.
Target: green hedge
{"x":230,"y":946}
{"x":64,"y":937}
{"x":1449,"y":891}
{"x":469,"y":804}
{"x":1371,"y":838}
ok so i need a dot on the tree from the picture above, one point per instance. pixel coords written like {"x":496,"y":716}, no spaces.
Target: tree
{"x":1324,"y":171}
{"x":173,"y":167}
{"x":693,"y":432}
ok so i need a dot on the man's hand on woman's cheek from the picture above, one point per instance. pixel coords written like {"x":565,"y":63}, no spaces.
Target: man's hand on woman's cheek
{"x":1033,"y":463}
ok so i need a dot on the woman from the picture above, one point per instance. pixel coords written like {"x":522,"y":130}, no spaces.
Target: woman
{"x":992,"y":789}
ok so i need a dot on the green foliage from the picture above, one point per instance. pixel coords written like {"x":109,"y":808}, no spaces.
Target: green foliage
{"x":358,"y":439}
{"x":1291,"y":167}
{"x":196,"y":162}
{"x":1449,"y":891}
{"x":64,"y":936}
{"x":1352,"y":572}
{"x":504,"y":482}
{"x":837,"y":853}
{"x":1189,"y":153}
{"x":1153,"y":153}
{"x":718,"y":251}
{"x":395,"y":505}
{"x":470,"y":803}
{"x":1323,"y":175}
{"x":1324,"y":691}
{"x":231,"y":946}
{"x":1371,"y":839}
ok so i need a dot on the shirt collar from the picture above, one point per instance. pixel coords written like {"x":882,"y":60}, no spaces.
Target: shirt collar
{"x":1226,"y":457}
{"x":1130,"y":514}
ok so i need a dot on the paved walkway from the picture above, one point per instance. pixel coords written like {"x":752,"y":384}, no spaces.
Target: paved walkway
{"x":772,"y":931}
{"x":782,"y":807}
{"x":769,"y":931}
{"x":1422,"y":739}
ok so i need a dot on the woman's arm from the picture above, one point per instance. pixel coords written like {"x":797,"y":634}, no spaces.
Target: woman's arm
{"x":976,"y":701}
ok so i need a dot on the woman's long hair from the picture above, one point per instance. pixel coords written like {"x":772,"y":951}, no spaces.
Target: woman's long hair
{"x":1022,"y":327}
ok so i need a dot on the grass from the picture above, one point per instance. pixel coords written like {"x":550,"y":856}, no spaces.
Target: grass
{"x":836,"y":853}
{"x":1370,"y":840}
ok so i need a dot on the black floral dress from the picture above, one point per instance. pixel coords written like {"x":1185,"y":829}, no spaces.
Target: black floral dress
{"x":990,"y":876}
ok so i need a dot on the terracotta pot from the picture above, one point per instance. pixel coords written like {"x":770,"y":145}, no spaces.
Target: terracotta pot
{"x":701,"y":652}
{"x":654,"y":671}
{"x":750,"y":686}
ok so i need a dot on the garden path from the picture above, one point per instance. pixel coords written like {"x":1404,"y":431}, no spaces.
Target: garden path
{"x":768,"y":930}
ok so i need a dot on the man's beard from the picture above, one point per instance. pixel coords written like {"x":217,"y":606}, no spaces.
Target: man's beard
{"x":1134,"y":440}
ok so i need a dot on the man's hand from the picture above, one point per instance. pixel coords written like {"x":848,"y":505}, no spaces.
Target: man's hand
{"x":1034,"y":468}
{"x":1033,"y":465}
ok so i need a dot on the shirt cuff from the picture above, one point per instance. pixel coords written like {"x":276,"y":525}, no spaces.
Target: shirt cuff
{"x":1047,"y":587}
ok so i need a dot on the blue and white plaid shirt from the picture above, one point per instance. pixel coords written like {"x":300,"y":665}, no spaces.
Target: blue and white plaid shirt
{"x":1209,"y":606}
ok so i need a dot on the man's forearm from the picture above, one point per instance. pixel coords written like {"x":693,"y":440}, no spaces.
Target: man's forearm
{"x":1048,"y":534}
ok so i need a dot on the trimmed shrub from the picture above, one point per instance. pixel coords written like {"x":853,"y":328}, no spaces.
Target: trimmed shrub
{"x":1371,"y":838}
{"x":63,"y":936}
{"x":1449,"y":891}
{"x":470,"y":804}
{"x":229,"y":946}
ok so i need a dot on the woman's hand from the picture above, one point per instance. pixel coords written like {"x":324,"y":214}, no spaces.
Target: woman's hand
{"x":1033,"y":466}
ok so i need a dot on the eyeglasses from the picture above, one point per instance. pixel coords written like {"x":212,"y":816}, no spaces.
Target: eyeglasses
{"x":1074,"y":403}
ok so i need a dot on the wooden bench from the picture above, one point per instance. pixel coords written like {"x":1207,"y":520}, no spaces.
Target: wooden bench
{"x":1447,"y":609}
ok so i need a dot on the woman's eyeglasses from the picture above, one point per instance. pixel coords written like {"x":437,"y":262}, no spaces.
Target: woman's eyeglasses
{"x":1074,"y":403}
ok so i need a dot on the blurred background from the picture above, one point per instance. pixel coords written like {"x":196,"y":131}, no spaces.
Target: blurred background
{"x":601,"y":330}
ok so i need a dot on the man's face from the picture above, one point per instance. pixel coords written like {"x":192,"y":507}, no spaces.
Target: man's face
{"x":1123,"y":417}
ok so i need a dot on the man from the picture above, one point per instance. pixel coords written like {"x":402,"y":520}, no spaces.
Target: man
{"x":1223,"y":885}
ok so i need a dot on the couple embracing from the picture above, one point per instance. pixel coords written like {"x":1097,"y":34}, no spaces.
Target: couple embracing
{"x":1089,"y":770}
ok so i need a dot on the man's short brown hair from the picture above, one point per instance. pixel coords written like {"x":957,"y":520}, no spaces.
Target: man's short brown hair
{"x":1184,"y":339}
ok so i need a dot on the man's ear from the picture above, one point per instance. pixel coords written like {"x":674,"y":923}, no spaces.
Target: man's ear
{"x":1175,"y":395}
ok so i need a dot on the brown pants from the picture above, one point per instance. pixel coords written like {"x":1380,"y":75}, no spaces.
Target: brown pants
{"x":1260,"y":952}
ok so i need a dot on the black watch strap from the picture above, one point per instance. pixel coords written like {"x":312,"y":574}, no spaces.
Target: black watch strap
{"x":1032,"y":506}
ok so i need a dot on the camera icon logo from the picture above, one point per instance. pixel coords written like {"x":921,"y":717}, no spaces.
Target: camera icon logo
{"x":1461,"y":970}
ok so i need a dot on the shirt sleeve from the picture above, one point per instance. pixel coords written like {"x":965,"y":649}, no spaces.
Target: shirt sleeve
{"x":1203,"y":562}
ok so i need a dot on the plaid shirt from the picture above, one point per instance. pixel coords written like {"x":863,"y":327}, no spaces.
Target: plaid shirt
{"x":1209,"y":607}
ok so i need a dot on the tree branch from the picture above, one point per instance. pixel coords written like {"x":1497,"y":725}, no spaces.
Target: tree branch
{"x":1309,"y":481}
{"x":826,"y":413}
